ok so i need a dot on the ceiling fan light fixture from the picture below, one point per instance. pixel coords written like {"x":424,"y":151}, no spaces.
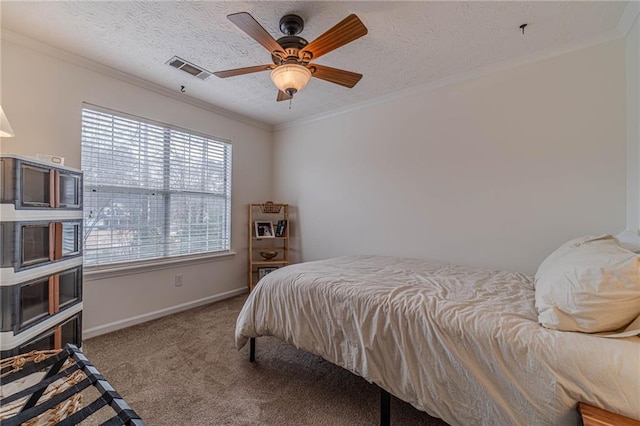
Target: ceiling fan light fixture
{"x":291,"y":55}
{"x":290,"y":78}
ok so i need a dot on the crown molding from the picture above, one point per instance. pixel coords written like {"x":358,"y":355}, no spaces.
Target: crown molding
{"x":628,"y":17}
{"x":46,"y":49}
{"x":625,"y":23}
{"x":462,"y":77}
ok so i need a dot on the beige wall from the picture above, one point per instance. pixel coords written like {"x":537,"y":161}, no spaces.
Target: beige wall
{"x":633,"y":127}
{"x":43,"y":98}
{"x":494,"y":172}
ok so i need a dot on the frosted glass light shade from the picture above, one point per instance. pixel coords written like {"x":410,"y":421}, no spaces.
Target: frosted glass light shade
{"x":290,"y":78}
{"x":5,"y":128}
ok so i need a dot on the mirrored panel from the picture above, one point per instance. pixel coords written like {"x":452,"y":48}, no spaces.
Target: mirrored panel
{"x":40,"y":343}
{"x":69,"y":190}
{"x":34,"y":241}
{"x":70,"y":239}
{"x":71,"y":331}
{"x":34,"y":301}
{"x":36,"y":186}
{"x":69,"y":283}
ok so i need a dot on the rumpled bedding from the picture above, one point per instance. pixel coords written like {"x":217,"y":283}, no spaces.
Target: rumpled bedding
{"x":462,"y":344}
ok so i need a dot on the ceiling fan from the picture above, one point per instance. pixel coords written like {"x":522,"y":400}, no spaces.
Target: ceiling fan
{"x":292,"y":55}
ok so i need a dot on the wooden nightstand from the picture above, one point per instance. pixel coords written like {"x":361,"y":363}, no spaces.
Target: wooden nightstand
{"x":594,"y":416}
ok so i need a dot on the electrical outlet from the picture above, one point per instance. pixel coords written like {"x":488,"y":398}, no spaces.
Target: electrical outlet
{"x":178,"y":280}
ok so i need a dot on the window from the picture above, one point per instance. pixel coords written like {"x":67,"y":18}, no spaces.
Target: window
{"x":151,"y":190}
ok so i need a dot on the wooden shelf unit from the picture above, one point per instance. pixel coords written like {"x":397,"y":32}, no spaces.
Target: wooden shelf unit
{"x":258,"y":212}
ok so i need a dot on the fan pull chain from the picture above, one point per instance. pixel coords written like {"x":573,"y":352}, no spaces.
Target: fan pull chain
{"x":290,"y":100}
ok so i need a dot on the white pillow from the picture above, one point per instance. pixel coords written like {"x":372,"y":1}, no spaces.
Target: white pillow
{"x":629,"y":240}
{"x":589,"y":284}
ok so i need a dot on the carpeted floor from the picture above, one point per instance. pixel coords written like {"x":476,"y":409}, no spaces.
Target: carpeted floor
{"x":184,"y":369}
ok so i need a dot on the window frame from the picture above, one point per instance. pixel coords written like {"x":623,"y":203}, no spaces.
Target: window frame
{"x":166,"y":260}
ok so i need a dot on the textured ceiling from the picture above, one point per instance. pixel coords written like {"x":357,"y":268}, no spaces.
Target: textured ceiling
{"x":408,"y":44}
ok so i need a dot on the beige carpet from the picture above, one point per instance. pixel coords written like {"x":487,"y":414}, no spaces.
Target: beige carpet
{"x":184,"y":369}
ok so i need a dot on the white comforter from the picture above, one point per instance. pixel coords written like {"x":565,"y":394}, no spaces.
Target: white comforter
{"x":462,"y":344}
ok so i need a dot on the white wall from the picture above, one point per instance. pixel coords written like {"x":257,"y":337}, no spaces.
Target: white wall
{"x":43,"y":98}
{"x":494,"y":172}
{"x":633,"y":127}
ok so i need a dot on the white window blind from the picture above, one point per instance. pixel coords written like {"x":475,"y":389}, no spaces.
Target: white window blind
{"x":151,"y":190}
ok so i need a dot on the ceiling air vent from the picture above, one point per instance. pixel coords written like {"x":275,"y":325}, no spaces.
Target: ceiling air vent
{"x":188,"y":67}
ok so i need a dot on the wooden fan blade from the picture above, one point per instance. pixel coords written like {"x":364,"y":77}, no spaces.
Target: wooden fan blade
{"x":282,"y":96}
{"x":345,"y":31}
{"x":334,"y":75}
{"x":249,"y":25}
{"x":240,"y":71}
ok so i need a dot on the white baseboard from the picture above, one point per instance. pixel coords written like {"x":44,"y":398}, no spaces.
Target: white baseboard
{"x":139,"y":319}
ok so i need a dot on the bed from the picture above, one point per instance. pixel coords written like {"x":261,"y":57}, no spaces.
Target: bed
{"x":462,"y":344}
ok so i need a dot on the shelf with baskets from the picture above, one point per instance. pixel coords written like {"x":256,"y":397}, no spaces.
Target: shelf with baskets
{"x":268,"y":239}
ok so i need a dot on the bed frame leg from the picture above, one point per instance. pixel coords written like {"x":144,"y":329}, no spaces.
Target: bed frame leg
{"x":252,"y":349}
{"x":385,"y":408}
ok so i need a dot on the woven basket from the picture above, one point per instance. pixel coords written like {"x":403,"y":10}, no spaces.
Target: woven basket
{"x":270,"y":207}
{"x":52,"y":416}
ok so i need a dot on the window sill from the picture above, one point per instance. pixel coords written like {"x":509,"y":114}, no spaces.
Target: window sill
{"x":99,"y":273}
